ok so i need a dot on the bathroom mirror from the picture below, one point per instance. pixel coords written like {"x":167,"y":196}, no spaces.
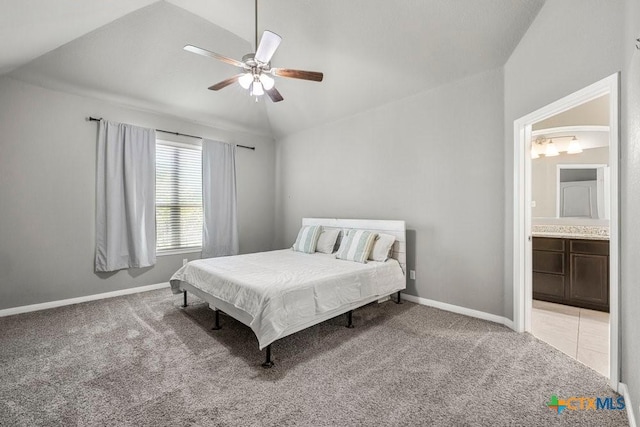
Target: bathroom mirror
{"x":581,"y":191}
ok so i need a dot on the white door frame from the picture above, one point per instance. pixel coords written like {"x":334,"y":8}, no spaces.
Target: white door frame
{"x":522,"y":246}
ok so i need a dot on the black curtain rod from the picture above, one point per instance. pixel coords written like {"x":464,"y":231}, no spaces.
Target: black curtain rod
{"x":93,"y":119}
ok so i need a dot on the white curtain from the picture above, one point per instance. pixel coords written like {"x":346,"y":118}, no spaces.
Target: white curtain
{"x":220,"y":234}
{"x":126,"y":181}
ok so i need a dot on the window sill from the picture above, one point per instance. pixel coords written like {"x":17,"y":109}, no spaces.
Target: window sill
{"x":179,"y":251}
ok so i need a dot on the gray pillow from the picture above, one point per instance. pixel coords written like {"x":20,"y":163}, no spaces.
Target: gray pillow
{"x":327,"y":241}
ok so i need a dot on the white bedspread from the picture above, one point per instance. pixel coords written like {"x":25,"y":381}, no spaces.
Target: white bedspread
{"x":284,"y":288}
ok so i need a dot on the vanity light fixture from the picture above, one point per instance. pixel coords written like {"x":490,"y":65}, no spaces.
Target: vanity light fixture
{"x":534,"y":151}
{"x":574,"y":146}
{"x":551,"y":150}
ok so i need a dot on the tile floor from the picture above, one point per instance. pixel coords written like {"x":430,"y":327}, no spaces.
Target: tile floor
{"x":580,"y":333}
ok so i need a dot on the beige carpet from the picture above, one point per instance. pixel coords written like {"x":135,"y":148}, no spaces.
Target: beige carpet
{"x":141,"y":360}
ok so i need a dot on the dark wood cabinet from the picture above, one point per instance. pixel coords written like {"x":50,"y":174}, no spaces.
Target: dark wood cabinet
{"x":571,"y":271}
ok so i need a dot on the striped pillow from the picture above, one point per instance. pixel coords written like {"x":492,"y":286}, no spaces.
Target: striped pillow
{"x":356,"y":246}
{"x":307,"y":239}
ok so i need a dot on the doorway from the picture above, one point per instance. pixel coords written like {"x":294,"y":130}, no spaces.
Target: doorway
{"x":533,"y":136}
{"x":570,"y":232}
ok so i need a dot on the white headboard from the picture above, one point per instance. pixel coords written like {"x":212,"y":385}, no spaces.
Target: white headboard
{"x":395,"y":228}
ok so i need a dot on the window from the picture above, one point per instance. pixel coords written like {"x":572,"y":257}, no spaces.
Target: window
{"x":178,"y":196}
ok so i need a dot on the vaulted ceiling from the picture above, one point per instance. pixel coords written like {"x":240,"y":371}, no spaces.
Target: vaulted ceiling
{"x":371,"y":51}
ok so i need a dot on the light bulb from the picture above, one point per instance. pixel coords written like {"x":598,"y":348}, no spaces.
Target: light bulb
{"x":245,"y":81}
{"x":267,"y":81}
{"x":534,"y":152}
{"x":256,"y":89}
{"x":551,"y":149}
{"x":574,"y":147}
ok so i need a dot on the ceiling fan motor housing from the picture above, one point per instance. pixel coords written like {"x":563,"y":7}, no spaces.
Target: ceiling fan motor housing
{"x":251,"y":62}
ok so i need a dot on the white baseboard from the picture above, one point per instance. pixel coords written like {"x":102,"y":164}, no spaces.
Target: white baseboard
{"x":71,"y":301}
{"x":460,"y":310}
{"x":624,"y":391}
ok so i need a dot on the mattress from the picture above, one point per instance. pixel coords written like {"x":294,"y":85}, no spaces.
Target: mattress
{"x":282,"y":289}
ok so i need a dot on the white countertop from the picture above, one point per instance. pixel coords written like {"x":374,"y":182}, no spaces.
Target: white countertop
{"x":570,"y":236}
{"x":587,"y":232}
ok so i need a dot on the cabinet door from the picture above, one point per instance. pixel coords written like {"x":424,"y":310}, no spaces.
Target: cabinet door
{"x":589,"y":281}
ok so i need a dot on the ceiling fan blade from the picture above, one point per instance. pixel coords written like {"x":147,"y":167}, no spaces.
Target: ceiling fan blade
{"x":298,"y":74}
{"x":274,"y":94}
{"x":204,"y":52}
{"x":225,"y":83}
{"x":267,"y":47}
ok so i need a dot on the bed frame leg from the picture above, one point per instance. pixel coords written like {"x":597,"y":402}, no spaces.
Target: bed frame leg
{"x":217,"y":326}
{"x":350,"y":319}
{"x":398,"y":300}
{"x":184,"y":294}
{"x":268,"y":363}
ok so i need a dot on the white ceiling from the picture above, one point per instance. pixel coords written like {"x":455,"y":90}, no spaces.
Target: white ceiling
{"x":593,"y":113}
{"x":30,"y":28}
{"x":371,"y":51}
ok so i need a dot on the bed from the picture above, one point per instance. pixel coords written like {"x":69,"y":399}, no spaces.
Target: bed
{"x":278,"y":293}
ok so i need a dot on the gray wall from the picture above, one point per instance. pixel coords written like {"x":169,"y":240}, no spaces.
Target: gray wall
{"x":434,"y":160}
{"x":47,"y":194}
{"x":585,"y":40}
{"x":630,"y":210}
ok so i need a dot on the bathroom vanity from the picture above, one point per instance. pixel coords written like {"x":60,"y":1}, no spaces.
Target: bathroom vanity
{"x":572,"y":269}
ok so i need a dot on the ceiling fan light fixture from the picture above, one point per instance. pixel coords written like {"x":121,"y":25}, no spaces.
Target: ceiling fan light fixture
{"x":246,"y":80}
{"x":267,"y":81}
{"x":257,"y":89}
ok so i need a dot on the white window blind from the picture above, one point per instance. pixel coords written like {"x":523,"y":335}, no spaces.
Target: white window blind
{"x":178,"y":196}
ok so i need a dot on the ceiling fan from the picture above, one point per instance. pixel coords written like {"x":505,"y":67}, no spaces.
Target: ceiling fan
{"x":256,"y":67}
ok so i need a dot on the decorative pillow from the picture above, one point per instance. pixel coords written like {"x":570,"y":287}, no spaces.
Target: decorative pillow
{"x":356,"y":246}
{"x":307,"y":239}
{"x":327,"y":241}
{"x":382,"y":247}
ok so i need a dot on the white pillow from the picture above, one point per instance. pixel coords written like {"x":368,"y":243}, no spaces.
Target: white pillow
{"x":307,"y":239}
{"x":327,"y":241}
{"x":381,"y":247}
{"x":356,"y":246}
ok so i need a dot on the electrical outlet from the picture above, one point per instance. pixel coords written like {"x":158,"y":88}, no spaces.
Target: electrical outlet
{"x":184,"y":261}
{"x":412,"y":274}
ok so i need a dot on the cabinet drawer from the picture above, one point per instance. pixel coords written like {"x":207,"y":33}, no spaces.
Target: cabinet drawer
{"x":548,"y":262}
{"x":548,"y":285}
{"x":593,"y":247}
{"x":548,"y":244}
